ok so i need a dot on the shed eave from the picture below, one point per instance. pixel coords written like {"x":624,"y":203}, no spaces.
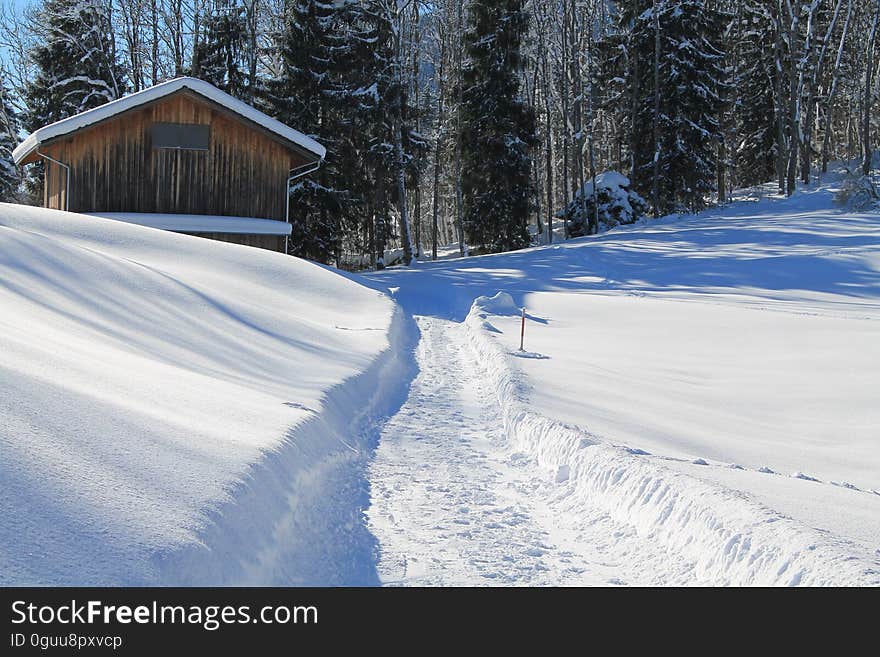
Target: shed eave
{"x":22,"y":153}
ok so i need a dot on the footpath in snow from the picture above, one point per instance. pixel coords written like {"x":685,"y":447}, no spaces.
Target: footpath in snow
{"x":451,"y":504}
{"x":699,"y":388}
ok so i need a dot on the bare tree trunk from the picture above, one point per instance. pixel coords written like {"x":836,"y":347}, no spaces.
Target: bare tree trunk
{"x":829,"y":101}
{"x":566,"y":119}
{"x":154,"y":52}
{"x":577,"y":88}
{"x":594,"y":220}
{"x":532,"y":99}
{"x":253,"y":53}
{"x":633,"y":115}
{"x":655,"y":174}
{"x":416,"y":60}
{"x":438,"y":150}
{"x":197,"y":31}
{"x":402,"y":210}
{"x":797,"y":81}
{"x":807,"y":152}
{"x":549,"y":155}
{"x":403,"y":218}
{"x":373,"y":261}
{"x":793,"y":99}
{"x":458,"y":191}
{"x":869,"y":73}
{"x":780,"y":102}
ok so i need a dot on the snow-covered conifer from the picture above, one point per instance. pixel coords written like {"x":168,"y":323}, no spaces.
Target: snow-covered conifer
{"x":220,"y":56}
{"x":498,"y":129}
{"x":9,"y":174}
{"x":75,"y":60}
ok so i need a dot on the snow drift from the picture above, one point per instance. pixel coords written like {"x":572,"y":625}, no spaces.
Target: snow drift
{"x":727,"y":537}
{"x":180,"y":411}
{"x":703,"y":379}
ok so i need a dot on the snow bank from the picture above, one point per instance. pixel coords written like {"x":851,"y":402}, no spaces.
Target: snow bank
{"x":175,"y":410}
{"x":727,"y":537}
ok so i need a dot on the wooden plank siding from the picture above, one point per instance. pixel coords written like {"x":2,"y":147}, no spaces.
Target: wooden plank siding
{"x":114,"y":167}
{"x":270,"y":242}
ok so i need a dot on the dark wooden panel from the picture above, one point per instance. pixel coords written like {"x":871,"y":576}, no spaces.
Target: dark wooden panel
{"x":268,"y":242}
{"x":114,"y":167}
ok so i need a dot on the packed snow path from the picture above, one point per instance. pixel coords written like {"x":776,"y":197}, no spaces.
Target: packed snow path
{"x":452,"y":505}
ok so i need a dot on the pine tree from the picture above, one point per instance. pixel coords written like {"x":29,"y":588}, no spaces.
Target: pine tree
{"x":76,"y":67}
{"x":340,"y":83}
{"x":9,"y":175}
{"x":222,"y":55}
{"x":694,"y":69}
{"x":677,"y":103}
{"x":498,"y":129}
{"x":609,"y":80}
{"x":219,"y":56}
{"x":382,"y":130}
{"x":303,"y":96}
{"x":76,"y":62}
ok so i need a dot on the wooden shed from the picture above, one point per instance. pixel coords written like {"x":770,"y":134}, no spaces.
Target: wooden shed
{"x":174,"y":156}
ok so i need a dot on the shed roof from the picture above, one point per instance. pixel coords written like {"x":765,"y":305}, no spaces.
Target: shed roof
{"x":200,"y":223}
{"x":200,"y":87}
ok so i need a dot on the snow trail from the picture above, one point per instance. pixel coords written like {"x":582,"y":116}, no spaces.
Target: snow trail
{"x":453,"y":505}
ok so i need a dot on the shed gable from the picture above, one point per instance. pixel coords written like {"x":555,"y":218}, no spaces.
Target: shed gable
{"x":115,"y":167}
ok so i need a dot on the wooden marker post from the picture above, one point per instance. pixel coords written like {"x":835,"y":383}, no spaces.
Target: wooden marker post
{"x":522,"y":331}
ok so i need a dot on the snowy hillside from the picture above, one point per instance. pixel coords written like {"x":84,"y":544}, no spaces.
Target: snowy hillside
{"x":702,"y":389}
{"x":177,"y":410}
{"x":695,"y":404}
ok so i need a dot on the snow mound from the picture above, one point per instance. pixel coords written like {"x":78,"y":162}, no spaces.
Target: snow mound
{"x":606,"y":180}
{"x":613,"y":203}
{"x":726,"y":537}
{"x":499,"y":304}
{"x":175,"y":410}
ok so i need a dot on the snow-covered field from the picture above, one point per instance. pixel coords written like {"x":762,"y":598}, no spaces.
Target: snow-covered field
{"x":704,"y":385}
{"x":696,"y":404}
{"x":175,"y":410}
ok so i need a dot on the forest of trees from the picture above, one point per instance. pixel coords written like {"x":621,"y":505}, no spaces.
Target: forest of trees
{"x":476,"y":121}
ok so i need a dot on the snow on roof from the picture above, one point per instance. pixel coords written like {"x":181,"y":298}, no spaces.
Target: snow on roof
{"x":200,"y":223}
{"x":202,"y":88}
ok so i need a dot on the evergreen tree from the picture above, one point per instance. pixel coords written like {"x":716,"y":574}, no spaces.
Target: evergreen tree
{"x":674,"y":73}
{"x":692,"y":75}
{"x":303,"y":96}
{"x":382,"y":130}
{"x":498,"y":129}
{"x":613,"y":95}
{"x":9,"y":175}
{"x":755,"y":110}
{"x":76,"y":62}
{"x":341,"y":85}
{"x":76,"y":67}
{"x":220,"y":56}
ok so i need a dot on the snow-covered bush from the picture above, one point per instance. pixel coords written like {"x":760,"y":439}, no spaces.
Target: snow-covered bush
{"x":618,"y":204}
{"x":857,"y":192}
